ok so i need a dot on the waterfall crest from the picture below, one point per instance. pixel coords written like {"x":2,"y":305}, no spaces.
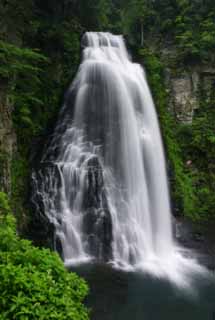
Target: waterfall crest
{"x":102,"y":181}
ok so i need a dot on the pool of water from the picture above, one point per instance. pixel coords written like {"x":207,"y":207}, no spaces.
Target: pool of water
{"x":119,"y":295}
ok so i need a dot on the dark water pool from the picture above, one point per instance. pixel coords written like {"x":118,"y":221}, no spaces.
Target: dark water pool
{"x":118,"y":295}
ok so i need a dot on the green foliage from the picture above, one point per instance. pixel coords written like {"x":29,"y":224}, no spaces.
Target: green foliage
{"x":18,"y":61}
{"x":103,"y":14}
{"x":22,"y":67}
{"x":4,"y":205}
{"x":135,"y":19}
{"x":34,"y":282}
{"x":187,"y":25}
{"x":194,"y":30}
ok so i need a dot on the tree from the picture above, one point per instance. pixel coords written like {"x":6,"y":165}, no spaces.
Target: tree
{"x":136,"y":16}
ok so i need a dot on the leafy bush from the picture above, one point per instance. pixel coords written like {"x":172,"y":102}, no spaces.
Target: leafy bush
{"x":34,"y":282}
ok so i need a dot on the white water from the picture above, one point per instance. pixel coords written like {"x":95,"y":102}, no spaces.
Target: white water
{"x":113,"y":119}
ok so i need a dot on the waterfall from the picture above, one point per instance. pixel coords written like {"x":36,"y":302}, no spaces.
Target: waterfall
{"x":102,"y":181}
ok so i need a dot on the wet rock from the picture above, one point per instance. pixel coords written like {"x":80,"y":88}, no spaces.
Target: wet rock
{"x":198,"y":238}
{"x":97,"y":218}
{"x":41,"y":230}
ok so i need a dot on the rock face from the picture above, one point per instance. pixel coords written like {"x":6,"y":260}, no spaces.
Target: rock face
{"x":184,"y":90}
{"x":7,"y":139}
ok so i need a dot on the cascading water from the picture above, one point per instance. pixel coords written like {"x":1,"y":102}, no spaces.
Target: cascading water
{"x":102,"y":180}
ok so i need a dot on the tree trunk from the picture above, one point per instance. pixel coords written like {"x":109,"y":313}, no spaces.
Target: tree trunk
{"x":141,"y":40}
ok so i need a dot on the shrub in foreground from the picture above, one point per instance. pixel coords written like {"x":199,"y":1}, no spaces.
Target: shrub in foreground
{"x":34,"y":283}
